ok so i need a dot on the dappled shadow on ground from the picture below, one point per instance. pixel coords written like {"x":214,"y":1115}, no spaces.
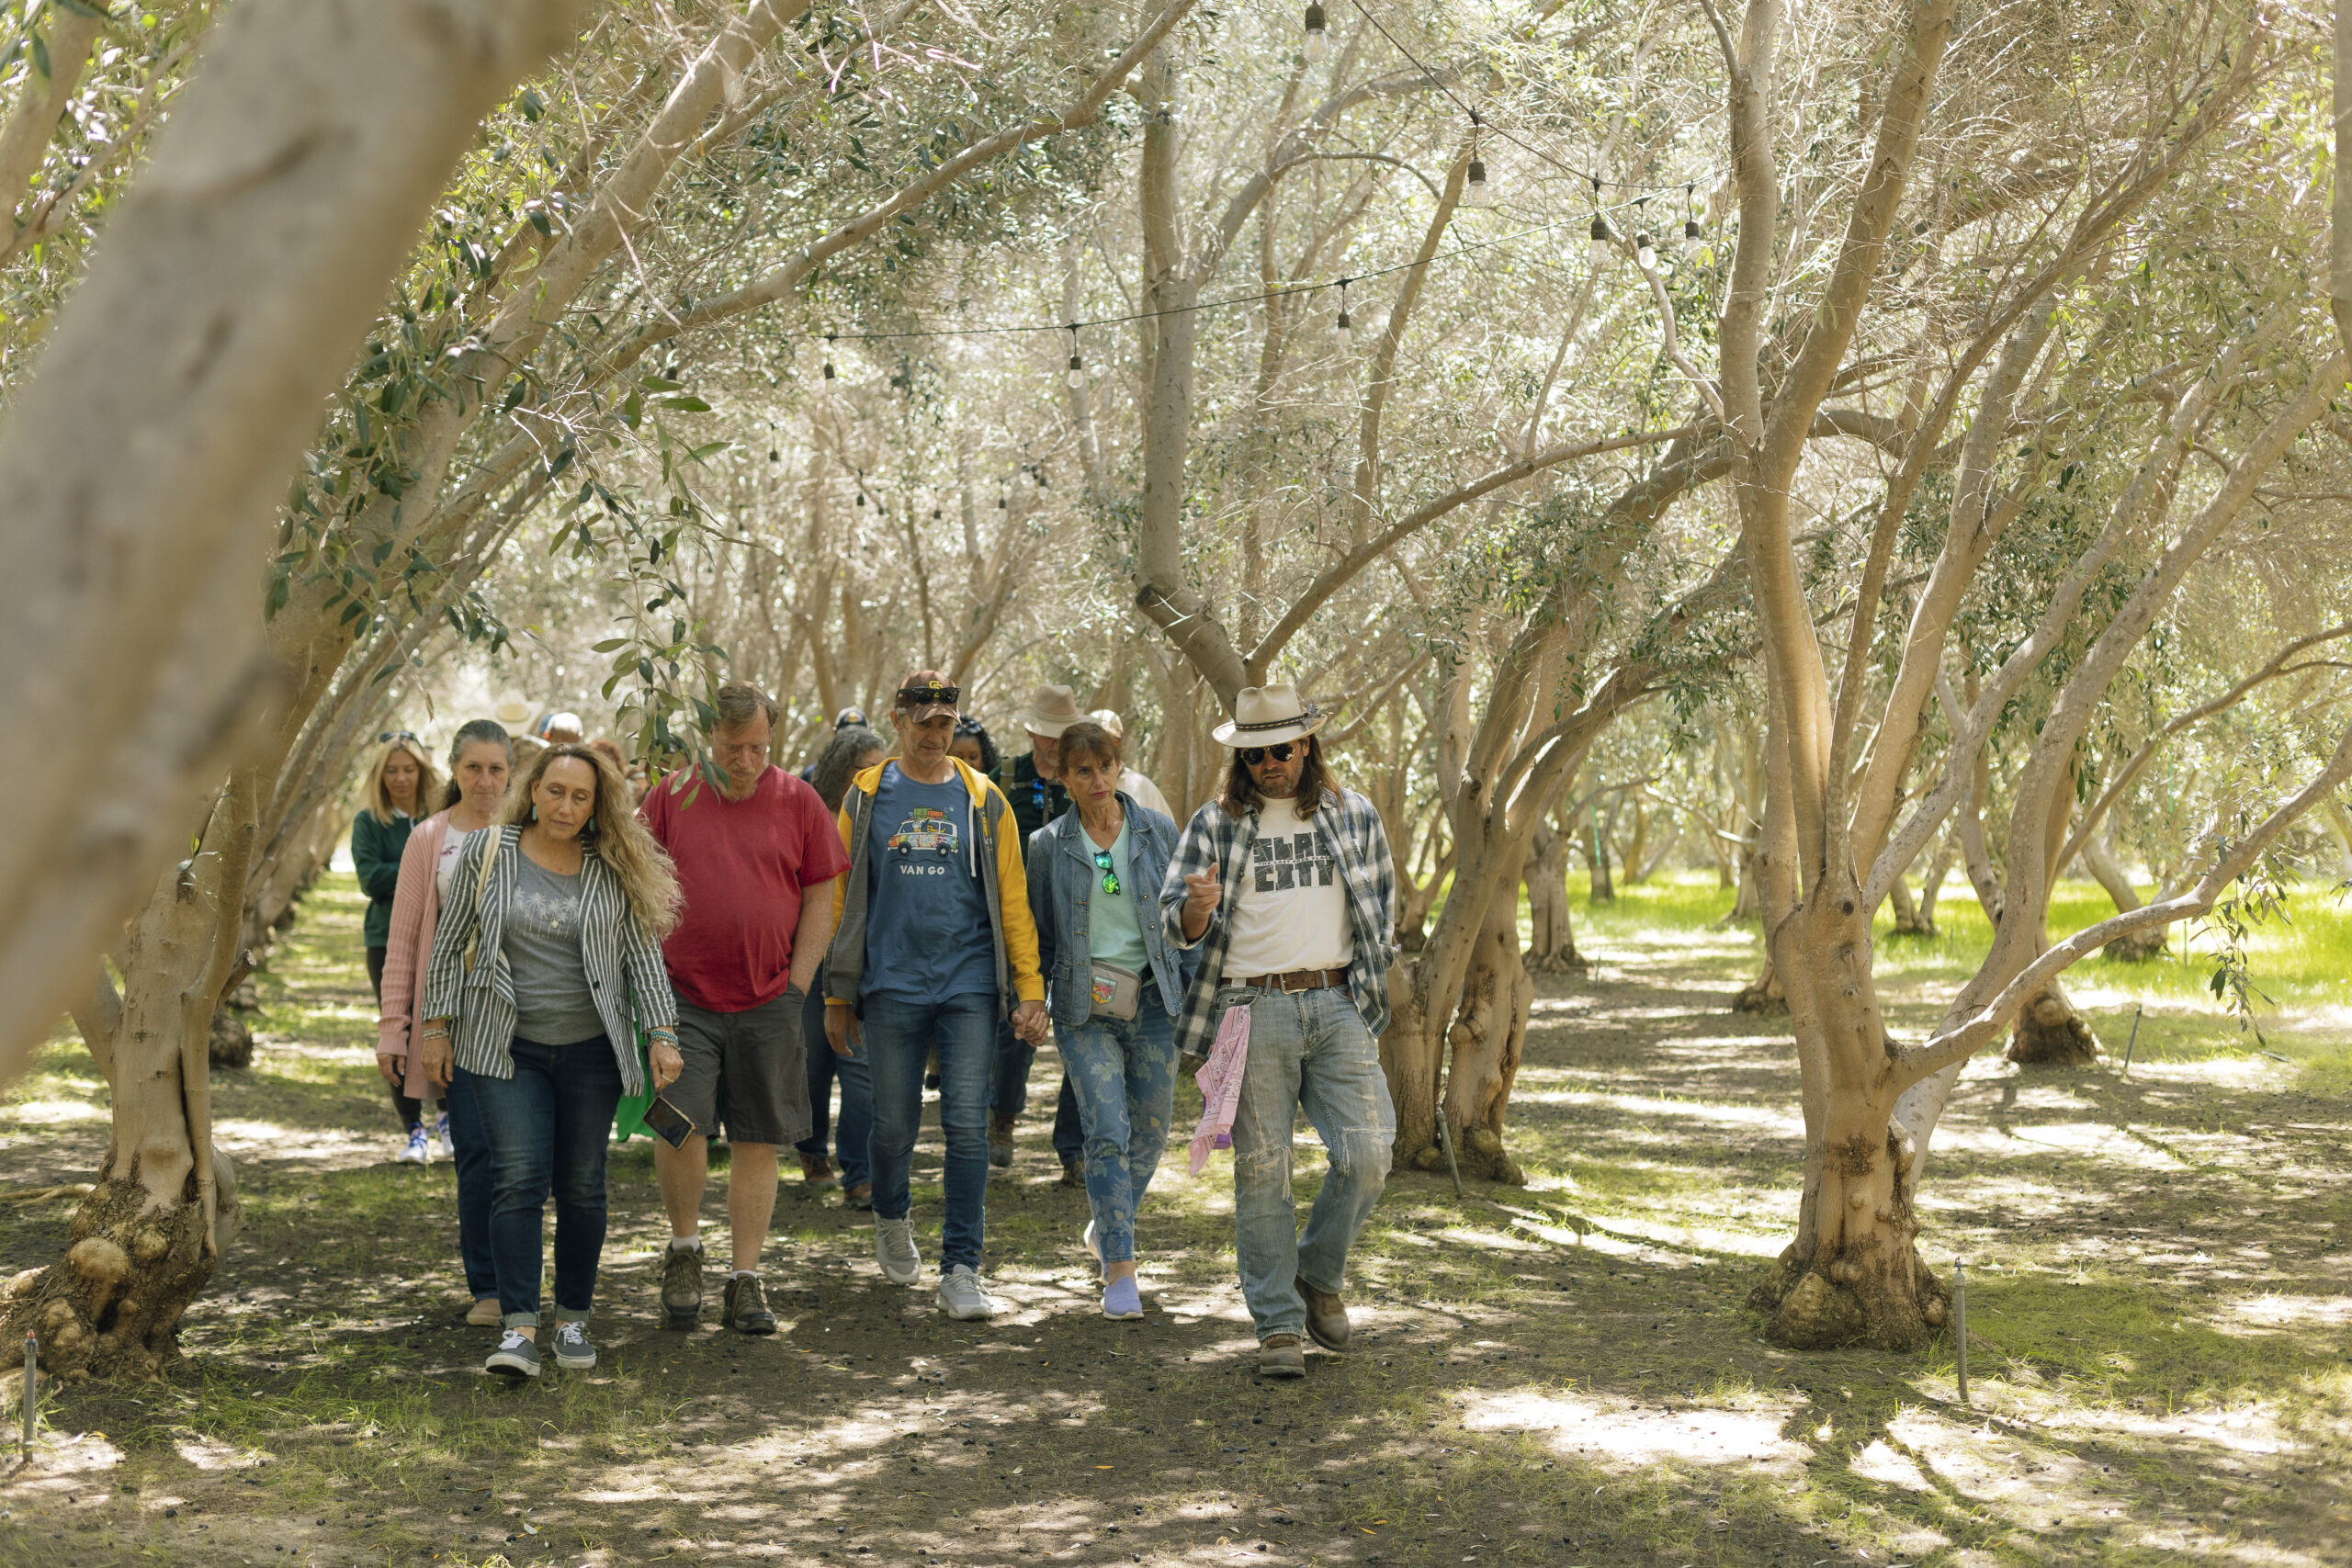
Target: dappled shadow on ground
{"x":1556,"y":1374}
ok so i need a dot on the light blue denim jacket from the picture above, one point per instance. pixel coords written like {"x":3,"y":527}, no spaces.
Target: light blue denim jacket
{"x":1063,"y":879}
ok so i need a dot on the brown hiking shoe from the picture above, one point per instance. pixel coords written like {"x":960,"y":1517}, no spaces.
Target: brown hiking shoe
{"x":1074,"y":1172}
{"x":1327,"y":1316}
{"x":818,"y":1171}
{"x":1000,"y":1141}
{"x":1281,"y":1356}
{"x":745,"y":1306}
{"x":681,"y":1286}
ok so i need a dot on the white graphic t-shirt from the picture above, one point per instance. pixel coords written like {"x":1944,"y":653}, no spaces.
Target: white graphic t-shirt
{"x":1293,"y":912}
{"x":453,"y":844}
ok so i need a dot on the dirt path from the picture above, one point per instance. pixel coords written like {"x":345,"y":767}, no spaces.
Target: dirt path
{"x":1559,"y":1374}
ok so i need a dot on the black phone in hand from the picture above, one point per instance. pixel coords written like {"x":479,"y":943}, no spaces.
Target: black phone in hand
{"x":669,"y":1123}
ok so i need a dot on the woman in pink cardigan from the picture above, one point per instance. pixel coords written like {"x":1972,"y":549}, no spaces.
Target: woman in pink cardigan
{"x":479,"y":759}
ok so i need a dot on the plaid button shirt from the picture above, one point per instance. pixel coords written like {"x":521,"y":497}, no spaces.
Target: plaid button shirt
{"x":1348,"y":827}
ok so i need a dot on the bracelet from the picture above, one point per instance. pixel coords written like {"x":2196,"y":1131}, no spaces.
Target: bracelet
{"x":669,"y":1034}
{"x":435,"y":1034}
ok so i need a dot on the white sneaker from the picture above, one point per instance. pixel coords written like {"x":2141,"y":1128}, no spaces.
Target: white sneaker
{"x":960,"y":1295}
{"x":1093,"y":1244}
{"x":441,"y":1147}
{"x":418,"y":1151}
{"x":894,"y":1248}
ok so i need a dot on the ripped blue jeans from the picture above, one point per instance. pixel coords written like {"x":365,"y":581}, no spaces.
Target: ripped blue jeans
{"x":1307,"y":1049}
{"x":1124,"y":1074}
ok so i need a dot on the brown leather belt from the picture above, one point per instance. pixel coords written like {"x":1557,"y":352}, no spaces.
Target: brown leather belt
{"x":1296,"y":980}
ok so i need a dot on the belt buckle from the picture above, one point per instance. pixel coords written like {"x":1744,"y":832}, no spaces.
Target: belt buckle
{"x":1291,"y":991}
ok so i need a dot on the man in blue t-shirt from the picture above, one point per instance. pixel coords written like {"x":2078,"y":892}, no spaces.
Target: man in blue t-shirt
{"x":935,"y":944}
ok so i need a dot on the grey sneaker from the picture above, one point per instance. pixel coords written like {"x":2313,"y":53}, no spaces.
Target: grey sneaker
{"x":514,"y":1358}
{"x":894,"y":1248}
{"x":572,"y":1351}
{"x":960,"y":1295}
{"x":682,"y":1286}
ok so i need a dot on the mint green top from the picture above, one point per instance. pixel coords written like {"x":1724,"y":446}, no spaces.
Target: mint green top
{"x":1113,"y":935}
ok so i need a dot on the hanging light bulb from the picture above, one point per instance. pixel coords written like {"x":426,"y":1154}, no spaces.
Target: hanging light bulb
{"x":1077,"y":377}
{"x":1318,"y":42}
{"x":1475,"y":192}
{"x":1345,"y":325}
{"x":829,"y":357}
{"x":1645,"y":254}
{"x":1602,"y":235}
{"x":1689,"y":217}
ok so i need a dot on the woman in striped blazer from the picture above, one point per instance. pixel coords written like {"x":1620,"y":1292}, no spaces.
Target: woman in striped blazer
{"x":546,"y":963}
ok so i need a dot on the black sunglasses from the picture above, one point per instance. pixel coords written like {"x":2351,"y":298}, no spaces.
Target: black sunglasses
{"x":1103,"y":864}
{"x":396,"y":735}
{"x":933,"y":695}
{"x":1253,"y":755}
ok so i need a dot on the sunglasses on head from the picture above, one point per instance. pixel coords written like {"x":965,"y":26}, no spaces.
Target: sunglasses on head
{"x":933,"y":695}
{"x":1253,"y":755}
{"x":1103,"y":864}
{"x":396,"y":735}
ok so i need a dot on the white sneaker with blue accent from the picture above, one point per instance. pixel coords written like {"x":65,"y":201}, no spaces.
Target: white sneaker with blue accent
{"x":960,"y":1295}
{"x":418,"y":1151}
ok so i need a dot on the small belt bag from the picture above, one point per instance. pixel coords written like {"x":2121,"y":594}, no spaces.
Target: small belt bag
{"x":1117,"y":992}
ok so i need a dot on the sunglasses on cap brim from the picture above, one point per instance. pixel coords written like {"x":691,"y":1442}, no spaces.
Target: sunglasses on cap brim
{"x":932,"y":696}
{"x":1281,"y":752}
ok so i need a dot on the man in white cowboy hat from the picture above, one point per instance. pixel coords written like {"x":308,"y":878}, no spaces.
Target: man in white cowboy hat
{"x":1033,"y":782}
{"x":1286,"y":884}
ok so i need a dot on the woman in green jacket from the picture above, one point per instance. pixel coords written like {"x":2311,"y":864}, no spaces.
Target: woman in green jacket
{"x":399,"y":793}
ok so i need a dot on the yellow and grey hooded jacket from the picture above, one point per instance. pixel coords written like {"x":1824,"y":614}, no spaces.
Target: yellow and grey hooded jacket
{"x":995,"y":847}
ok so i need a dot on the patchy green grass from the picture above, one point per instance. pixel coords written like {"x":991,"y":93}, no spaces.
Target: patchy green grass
{"x":1559,"y":1374}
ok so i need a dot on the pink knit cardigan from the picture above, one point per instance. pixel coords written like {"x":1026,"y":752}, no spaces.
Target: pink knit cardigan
{"x":416,"y":909}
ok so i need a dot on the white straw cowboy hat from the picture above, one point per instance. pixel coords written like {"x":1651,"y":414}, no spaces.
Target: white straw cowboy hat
{"x":1267,"y":716}
{"x":1051,"y":711}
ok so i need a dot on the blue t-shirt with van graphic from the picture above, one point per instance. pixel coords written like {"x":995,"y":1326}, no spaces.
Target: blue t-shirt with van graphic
{"x":927,"y":922}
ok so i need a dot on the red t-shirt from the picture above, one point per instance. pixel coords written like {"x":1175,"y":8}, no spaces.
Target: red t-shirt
{"x":741,"y":864}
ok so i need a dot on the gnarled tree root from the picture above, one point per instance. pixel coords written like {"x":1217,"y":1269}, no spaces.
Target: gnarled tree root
{"x":112,"y":1308}
{"x":2051,"y":1034}
{"x":1480,"y":1154}
{"x":1849,"y":1303}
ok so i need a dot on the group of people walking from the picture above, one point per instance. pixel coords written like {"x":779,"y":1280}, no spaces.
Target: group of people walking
{"x":550,"y":954}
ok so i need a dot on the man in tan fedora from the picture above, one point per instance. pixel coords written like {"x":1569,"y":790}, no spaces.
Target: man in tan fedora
{"x":1286,"y":884}
{"x":1033,"y":782}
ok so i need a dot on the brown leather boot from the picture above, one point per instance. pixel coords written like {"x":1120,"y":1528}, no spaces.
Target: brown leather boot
{"x":1327,"y":1316}
{"x":1000,"y":1142}
{"x":1280,"y":1356}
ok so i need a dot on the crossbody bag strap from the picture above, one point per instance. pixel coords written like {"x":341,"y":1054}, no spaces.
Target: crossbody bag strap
{"x":481,"y":884}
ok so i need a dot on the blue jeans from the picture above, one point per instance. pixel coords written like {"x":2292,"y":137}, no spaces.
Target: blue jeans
{"x":1124,"y":1074}
{"x":1309,"y":1049}
{"x":856,"y":1124}
{"x":899,"y":1037}
{"x":548,"y":1125}
{"x":470,"y":1145}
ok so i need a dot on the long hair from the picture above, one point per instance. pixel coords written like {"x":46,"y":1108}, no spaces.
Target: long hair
{"x":837,"y":763}
{"x":379,"y":799}
{"x":1313,"y":782}
{"x":615,"y":836}
{"x":474,"y":732}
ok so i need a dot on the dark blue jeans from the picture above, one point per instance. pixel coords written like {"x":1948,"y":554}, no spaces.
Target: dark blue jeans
{"x":899,"y":1037}
{"x":548,"y":1125}
{"x":469,"y":1145}
{"x":855,"y":1127}
{"x":1008,"y":1092}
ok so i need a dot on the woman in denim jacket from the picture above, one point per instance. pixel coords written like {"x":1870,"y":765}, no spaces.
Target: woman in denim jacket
{"x":1095,"y":876}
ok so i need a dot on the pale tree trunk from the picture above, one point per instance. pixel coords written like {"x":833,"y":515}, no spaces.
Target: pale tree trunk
{"x":1931,"y":885}
{"x":2098,"y":854}
{"x":1552,"y":945}
{"x":221,"y":308}
{"x":1596,"y":855}
{"x":148,"y":1237}
{"x":32,"y":121}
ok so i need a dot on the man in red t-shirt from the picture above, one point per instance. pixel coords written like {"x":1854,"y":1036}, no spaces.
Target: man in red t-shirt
{"x":756,"y":862}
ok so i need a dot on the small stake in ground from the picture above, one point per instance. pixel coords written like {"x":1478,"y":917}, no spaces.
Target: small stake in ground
{"x":1445,"y":1136}
{"x":32,"y":1391}
{"x":2135,"y":1040}
{"x":1960,"y":1320}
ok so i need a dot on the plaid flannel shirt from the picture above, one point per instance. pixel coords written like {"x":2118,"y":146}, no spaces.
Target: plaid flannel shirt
{"x":1350,"y":827}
